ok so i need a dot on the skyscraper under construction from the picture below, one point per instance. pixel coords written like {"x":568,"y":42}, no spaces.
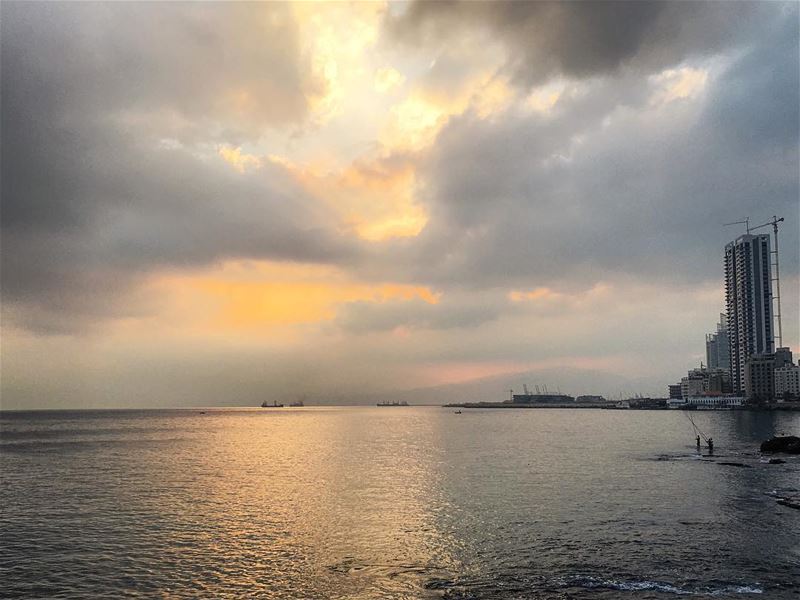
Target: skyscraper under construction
{"x":718,"y":352}
{"x":748,"y":293}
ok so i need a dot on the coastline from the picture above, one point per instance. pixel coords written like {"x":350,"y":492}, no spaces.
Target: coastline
{"x":783,"y":406}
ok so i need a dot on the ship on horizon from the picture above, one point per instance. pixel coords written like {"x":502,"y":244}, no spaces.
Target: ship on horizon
{"x":395,"y":403}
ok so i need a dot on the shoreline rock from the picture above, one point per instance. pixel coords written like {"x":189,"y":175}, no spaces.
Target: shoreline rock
{"x":789,"y":444}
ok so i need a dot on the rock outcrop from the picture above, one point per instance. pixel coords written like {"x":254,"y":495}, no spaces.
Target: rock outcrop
{"x":790,"y":444}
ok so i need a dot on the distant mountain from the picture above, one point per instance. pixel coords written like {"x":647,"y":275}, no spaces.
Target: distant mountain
{"x":495,"y":388}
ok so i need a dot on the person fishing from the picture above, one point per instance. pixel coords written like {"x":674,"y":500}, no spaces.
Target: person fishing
{"x":699,"y":434}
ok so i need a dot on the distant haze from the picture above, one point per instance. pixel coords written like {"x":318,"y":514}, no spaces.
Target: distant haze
{"x":221,"y":203}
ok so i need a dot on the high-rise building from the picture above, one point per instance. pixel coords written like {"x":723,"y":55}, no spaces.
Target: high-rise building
{"x":717,"y":346}
{"x":748,"y":294}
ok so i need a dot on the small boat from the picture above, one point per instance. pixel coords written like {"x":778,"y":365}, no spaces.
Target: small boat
{"x":456,"y":412}
{"x":297,"y":404}
{"x":273,"y":405}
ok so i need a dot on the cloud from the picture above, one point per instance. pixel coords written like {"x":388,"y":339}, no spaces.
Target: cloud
{"x":373,"y":198}
{"x":402,"y":316}
{"x":608,"y":184}
{"x":231,"y":68}
{"x":546,"y":186}
{"x":580,"y":39}
{"x":104,"y":178}
{"x":388,"y":79}
{"x":181,"y":212}
{"x":254,"y":299}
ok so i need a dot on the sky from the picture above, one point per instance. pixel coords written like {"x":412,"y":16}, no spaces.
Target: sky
{"x":219,"y":203}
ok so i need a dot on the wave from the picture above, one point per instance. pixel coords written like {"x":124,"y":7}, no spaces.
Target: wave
{"x":589,"y":582}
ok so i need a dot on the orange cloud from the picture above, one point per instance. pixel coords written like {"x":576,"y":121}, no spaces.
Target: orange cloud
{"x":535,"y":294}
{"x":547,"y":295}
{"x":374,"y":199}
{"x":237,"y":159}
{"x":258,"y":297}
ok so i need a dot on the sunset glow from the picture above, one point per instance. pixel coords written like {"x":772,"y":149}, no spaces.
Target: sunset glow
{"x":401,"y":194}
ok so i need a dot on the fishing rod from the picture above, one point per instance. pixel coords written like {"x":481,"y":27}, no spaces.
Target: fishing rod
{"x":697,"y":430}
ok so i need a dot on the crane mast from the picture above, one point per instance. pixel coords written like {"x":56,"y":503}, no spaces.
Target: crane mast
{"x":777,"y":279}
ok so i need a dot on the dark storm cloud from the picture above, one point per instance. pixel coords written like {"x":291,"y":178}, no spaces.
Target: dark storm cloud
{"x":755,"y":104}
{"x":94,"y":196}
{"x":235,"y":67}
{"x":581,"y":39}
{"x":610,"y":184}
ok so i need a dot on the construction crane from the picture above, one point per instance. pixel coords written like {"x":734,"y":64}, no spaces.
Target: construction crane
{"x":746,"y":224}
{"x":777,"y":279}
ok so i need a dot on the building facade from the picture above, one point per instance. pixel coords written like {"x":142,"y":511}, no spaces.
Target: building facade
{"x":694,"y":384}
{"x":718,"y":347}
{"x":748,"y":295}
{"x":715,"y":401}
{"x":704,"y":382}
{"x":759,"y":379}
{"x":787,"y":382}
{"x":588,"y":399}
{"x":542,"y":399}
{"x":783,"y":357}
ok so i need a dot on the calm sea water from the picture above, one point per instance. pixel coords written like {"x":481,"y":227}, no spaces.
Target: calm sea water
{"x":394,"y":503}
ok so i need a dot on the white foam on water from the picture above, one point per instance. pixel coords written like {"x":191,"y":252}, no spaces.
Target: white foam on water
{"x":632,"y":586}
{"x":738,"y":589}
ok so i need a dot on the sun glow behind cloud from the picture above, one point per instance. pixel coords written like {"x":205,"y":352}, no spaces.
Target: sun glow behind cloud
{"x":237,"y":159}
{"x":678,"y":84}
{"x":254,"y":298}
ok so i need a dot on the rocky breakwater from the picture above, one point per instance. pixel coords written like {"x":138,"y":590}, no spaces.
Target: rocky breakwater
{"x":789,"y":444}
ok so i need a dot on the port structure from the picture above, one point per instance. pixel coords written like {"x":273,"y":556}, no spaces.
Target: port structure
{"x":776,"y":297}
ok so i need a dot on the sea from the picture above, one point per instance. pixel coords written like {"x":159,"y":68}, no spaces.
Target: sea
{"x":395,"y":502}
